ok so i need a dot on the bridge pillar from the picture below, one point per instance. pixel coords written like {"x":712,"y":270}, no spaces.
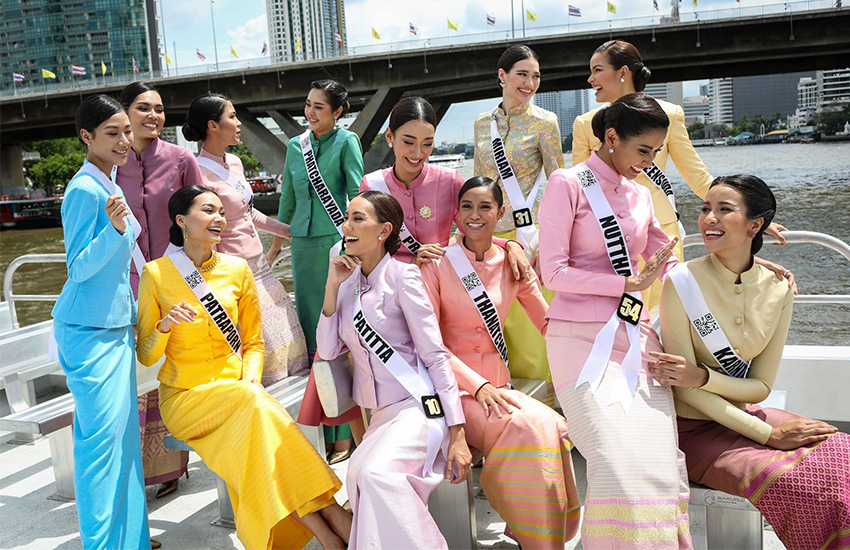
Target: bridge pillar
{"x":375,"y":112}
{"x":286,"y":122}
{"x":11,"y":168}
{"x":269,"y":150}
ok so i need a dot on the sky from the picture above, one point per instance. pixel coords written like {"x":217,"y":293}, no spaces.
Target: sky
{"x":241,"y":25}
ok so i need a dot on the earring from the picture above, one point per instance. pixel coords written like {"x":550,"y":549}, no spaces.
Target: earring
{"x":622,"y":79}
{"x":502,"y":83}
{"x":391,"y":145}
{"x":610,"y":149}
{"x":88,"y":145}
{"x":380,"y":238}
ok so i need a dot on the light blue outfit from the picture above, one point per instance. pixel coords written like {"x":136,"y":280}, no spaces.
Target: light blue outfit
{"x":93,"y":320}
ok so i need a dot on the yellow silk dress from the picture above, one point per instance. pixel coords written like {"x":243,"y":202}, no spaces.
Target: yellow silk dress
{"x":208,"y":399}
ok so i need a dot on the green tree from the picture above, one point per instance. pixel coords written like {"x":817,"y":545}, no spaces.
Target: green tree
{"x":567,"y":143}
{"x":55,"y":170}
{"x":249,"y":162}
{"x":459,"y":149}
{"x":696,"y":130}
{"x":830,"y":123}
{"x":63,"y":146}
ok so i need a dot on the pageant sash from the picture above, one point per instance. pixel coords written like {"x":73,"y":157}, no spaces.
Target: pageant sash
{"x":526,"y":230}
{"x":478,"y":293}
{"x":705,"y":324}
{"x":419,"y":385}
{"x":242,"y":186}
{"x":377,"y":183}
{"x":208,"y":300}
{"x":628,"y":311}
{"x":657,"y":176}
{"x":321,"y":188}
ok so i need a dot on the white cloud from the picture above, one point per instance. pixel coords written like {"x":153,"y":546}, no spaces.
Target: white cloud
{"x":248,"y":39}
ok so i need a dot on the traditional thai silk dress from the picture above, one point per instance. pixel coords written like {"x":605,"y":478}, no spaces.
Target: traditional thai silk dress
{"x":528,"y":471}
{"x":148,"y":181}
{"x":286,"y":350}
{"x":677,"y":145}
{"x":93,"y":320}
{"x":241,"y":432}
{"x":637,"y":485}
{"x":387,"y":486}
{"x":803,"y":493}
{"x":532,"y":143}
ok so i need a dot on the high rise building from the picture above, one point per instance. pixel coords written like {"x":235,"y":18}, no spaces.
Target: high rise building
{"x":696,"y":108}
{"x":667,"y":91}
{"x":765,"y":95}
{"x":720,"y":103}
{"x":833,"y":88}
{"x":306,"y":29}
{"x":55,"y":34}
{"x":566,"y":105}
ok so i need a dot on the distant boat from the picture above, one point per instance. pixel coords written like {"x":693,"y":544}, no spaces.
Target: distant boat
{"x":720,"y":141}
{"x":16,"y":212}
{"x":448,"y":161}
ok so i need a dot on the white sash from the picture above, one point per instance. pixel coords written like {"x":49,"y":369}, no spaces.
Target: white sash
{"x":526,"y":230}
{"x":705,"y":324}
{"x":657,"y":176}
{"x":321,"y":188}
{"x":625,"y":382}
{"x":208,"y":300}
{"x":378,"y":183}
{"x":419,"y":385}
{"x":113,"y":189}
{"x":240,"y":185}
{"x":478,"y":293}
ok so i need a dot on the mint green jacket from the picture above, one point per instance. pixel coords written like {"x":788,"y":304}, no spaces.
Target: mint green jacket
{"x":340,"y":159}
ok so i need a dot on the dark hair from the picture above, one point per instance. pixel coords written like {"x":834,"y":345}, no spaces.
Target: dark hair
{"x":412,"y":108}
{"x":203,"y":109}
{"x":482,"y":181}
{"x":132,"y":91}
{"x":178,"y":205}
{"x":387,"y":209}
{"x":335,"y":92}
{"x":93,"y":111}
{"x":758,"y":199}
{"x":630,"y":116}
{"x":623,"y":54}
{"x":514,"y":54}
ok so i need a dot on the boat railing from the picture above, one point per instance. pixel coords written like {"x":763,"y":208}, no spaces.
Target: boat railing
{"x":8,"y":279}
{"x":801,"y":237}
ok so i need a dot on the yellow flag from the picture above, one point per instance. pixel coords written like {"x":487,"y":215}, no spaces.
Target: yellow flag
{"x":298,"y":44}
{"x":167,"y":61}
{"x":103,"y":67}
{"x":531,"y":15}
{"x":695,"y":3}
{"x":375,"y":34}
{"x":47,"y":74}
{"x":613,"y":9}
{"x":452,"y":24}
{"x":232,"y":52}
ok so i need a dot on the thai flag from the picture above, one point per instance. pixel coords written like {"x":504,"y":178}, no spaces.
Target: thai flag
{"x":135,"y":68}
{"x":337,"y":37}
{"x":413,"y":29}
{"x":200,"y":54}
{"x":18,"y":77}
{"x":655,"y":4}
{"x":574,"y":11}
{"x":491,"y":20}
{"x":265,"y":49}
{"x":76,"y":70}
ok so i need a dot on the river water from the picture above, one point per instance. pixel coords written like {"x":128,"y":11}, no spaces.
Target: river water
{"x":812,"y":186}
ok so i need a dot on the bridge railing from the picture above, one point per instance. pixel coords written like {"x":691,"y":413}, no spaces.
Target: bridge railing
{"x":573,"y":26}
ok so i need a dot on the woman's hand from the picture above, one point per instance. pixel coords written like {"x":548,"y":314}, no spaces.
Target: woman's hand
{"x":520,"y":265}
{"x":774,"y":230}
{"x":651,"y":269}
{"x":428,"y":252}
{"x":780,"y":272}
{"x":459,"y":455}
{"x":117,"y":212}
{"x":799,"y":432}
{"x":494,"y":399}
{"x":340,"y":269}
{"x":673,"y":370}
{"x":179,"y":313}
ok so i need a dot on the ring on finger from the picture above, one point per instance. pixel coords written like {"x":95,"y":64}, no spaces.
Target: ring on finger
{"x":787,"y":272}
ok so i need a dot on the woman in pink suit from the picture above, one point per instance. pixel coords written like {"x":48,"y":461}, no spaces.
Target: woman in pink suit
{"x":524,"y":441}
{"x":377,"y":308}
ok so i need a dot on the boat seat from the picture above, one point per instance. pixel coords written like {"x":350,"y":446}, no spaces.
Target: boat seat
{"x":5,"y":318}
{"x":730,"y":521}
{"x":289,"y":392}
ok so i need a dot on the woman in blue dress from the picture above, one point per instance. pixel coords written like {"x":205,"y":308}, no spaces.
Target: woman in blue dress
{"x":93,"y":323}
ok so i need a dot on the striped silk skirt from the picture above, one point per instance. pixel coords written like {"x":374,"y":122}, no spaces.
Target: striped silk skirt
{"x":286,"y":349}
{"x":637,"y":483}
{"x":245,"y":436}
{"x":804,"y":493}
{"x":100,"y":365}
{"x":528,"y":471}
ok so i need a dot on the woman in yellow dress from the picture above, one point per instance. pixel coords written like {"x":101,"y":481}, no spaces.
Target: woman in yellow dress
{"x":200,"y":308}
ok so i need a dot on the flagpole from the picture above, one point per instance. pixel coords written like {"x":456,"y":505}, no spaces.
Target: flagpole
{"x":176,"y":68}
{"x":164,"y":39}
{"x":513,"y":30}
{"x":522,"y":4}
{"x":215,"y":44}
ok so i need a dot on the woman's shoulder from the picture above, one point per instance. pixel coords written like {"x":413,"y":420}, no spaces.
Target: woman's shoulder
{"x":229,"y":260}
{"x":585,"y":119}
{"x":483,"y":119}
{"x":542,"y":114}
{"x":84,"y":184}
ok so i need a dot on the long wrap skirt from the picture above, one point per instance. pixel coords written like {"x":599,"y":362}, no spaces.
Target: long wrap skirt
{"x":804,"y":493}
{"x":100,"y":365}
{"x":245,"y":436}
{"x":637,"y":483}
{"x":310,"y":260}
{"x":528,"y":471}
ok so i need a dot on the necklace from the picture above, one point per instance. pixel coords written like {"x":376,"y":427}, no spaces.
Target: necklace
{"x":212,"y":263}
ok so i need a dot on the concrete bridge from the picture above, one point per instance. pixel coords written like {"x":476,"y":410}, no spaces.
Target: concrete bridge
{"x":767,"y":44}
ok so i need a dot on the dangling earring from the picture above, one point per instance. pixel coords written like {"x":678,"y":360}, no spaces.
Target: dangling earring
{"x":390,"y":144}
{"x":502,"y":83}
{"x":88,"y":145}
{"x":185,"y":234}
{"x":610,"y":149}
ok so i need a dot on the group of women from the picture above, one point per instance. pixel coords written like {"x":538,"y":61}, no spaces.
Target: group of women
{"x":436,"y":325}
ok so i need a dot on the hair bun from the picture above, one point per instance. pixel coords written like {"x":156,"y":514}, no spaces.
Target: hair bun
{"x":190,"y":133}
{"x":641,"y":78}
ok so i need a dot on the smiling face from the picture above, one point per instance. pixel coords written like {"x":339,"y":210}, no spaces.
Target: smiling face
{"x":321,"y":117}
{"x":723,"y":221}
{"x":204,"y":222}
{"x":631,"y":156}
{"x":478,"y":213}
{"x":361,"y":229}
{"x":521,"y":82}
{"x":147,"y":115}
{"x":605,"y":79}
{"x":109,"y":142}
{"x":228,"y":129}
{"x":412,"y":143}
